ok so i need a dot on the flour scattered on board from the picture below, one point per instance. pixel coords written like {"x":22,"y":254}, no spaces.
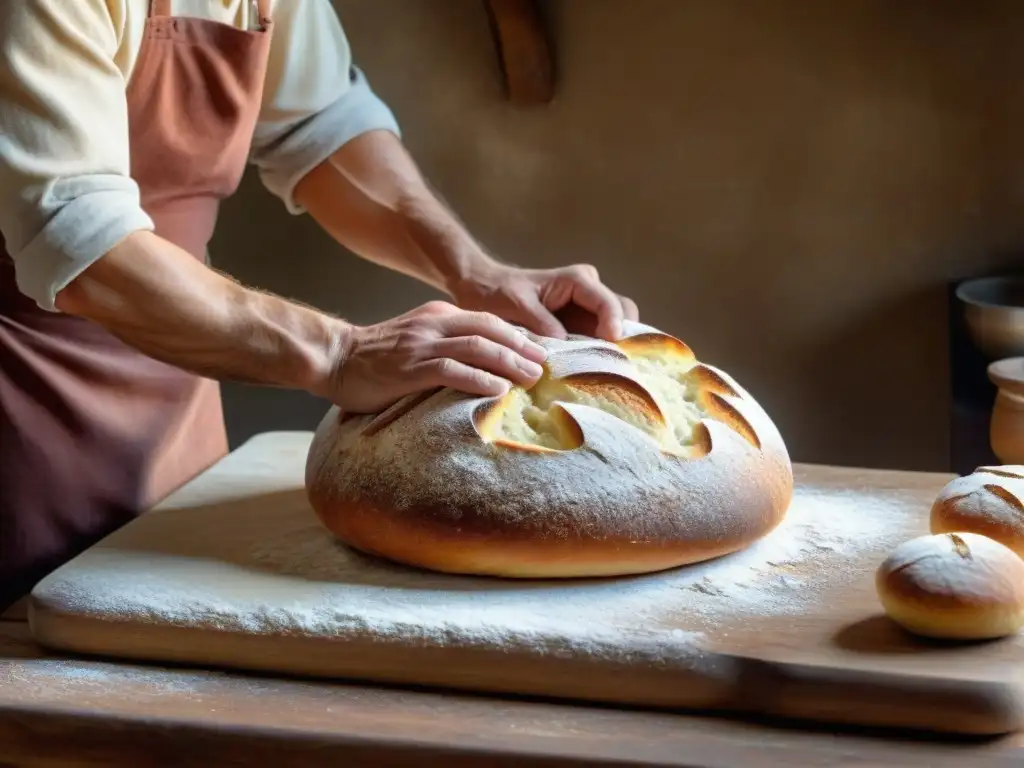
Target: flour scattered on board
{"x":78,"y":678}
{"x":282,"y":574}
{"x":781,"y":574}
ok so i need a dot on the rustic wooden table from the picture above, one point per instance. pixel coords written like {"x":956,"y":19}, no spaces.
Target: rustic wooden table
{"x":58,"y":710}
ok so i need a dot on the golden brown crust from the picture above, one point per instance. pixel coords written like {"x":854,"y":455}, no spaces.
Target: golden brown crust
{"x":514,"y":554}
{"x":440,"y":486}
{"x":953,"y":586}
{"x":668,"y":345}
{"x":989,"y":501}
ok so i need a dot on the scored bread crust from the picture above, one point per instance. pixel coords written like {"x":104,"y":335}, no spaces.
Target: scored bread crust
{"x":953,"y":586}
{"x":989,"y":501}
{"x":595,"y":471}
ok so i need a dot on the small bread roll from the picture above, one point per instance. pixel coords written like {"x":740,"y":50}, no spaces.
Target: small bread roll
{"x":958,"y":586}
{"x":989,"y":501}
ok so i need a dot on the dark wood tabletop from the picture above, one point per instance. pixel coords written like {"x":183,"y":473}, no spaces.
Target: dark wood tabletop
{"x":58,"y":710}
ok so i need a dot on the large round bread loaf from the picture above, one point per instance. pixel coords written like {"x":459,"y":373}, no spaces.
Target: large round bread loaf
{"x":624,"y":458}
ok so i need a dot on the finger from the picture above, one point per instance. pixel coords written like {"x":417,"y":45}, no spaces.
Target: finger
{"x":445,"y":372}
{"x":532,"y":336}
{"x":494,"y":328}
{"x":596,"y":297}
{"x":630,"y":311}
{"x":478,"y":352}
{"x":577,"y":320}
{"x":540,"y":319}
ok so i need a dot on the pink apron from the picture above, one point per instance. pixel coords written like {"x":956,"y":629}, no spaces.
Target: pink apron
{"x":92,"y":432}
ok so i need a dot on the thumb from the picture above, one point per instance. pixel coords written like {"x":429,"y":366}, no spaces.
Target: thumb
{"x":537,"y":318}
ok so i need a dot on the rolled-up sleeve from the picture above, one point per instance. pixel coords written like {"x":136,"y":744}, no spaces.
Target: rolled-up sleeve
{"x":315,"y":99}
{"x":66,"y":194}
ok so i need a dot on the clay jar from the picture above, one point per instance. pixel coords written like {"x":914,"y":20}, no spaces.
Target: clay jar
{"x":1006,"y":432}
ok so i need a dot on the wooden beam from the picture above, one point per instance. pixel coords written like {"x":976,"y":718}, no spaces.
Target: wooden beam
{"x":524,"y":50}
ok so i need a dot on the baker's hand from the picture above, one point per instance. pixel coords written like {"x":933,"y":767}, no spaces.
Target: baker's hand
{"x":534,"y":298}
{"x":435,"y":345}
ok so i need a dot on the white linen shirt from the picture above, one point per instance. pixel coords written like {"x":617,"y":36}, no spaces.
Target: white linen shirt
{"x":66,"y":194}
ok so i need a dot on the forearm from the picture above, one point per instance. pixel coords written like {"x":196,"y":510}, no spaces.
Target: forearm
{"x":371,"y":198}
{"x":160,"y":300}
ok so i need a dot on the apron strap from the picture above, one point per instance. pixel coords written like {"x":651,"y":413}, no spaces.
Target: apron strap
{"x":163,"y":8}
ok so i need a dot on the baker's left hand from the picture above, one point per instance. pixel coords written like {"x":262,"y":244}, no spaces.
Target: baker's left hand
{"x":533,"y":297}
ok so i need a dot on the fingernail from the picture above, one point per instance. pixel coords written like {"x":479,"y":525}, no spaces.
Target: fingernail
{"x":535,"y":350}
{"x":530,"y":368}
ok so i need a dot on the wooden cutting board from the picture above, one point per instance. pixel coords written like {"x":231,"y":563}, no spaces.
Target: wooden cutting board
{"x":234,"y":571}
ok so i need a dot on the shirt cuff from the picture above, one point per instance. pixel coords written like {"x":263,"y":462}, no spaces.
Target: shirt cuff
{"x":285,"y":161}
{"x":81,"y":232}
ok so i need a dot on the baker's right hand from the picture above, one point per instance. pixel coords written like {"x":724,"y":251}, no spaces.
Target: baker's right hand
{"x":435,"y":345}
